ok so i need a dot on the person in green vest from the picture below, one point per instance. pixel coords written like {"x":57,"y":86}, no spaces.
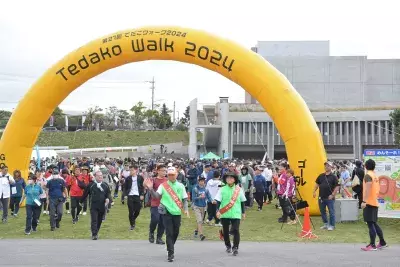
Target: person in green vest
{"x":173,"y":201}
{"x":230,"y":208}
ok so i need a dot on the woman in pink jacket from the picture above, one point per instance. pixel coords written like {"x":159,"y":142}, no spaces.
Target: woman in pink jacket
{"x":285,"y":192}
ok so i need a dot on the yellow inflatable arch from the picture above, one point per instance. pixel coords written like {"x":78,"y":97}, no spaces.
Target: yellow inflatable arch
{"x":249,"y":70}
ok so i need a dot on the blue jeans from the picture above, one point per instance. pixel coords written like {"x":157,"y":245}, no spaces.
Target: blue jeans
{"x":331,"y":208}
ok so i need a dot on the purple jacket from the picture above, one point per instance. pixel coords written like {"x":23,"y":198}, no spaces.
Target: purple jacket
{"x":286,"y":185}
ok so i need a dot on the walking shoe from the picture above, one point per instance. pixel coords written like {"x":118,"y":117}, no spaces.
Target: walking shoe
{"x":68,"y":212}
{"x":380,"y":246}
{"x":171,"y":257}
{"x":202,"y":237}
{"x":218,"y":225}
{"x":291,"y":222}
{"x":27,"y":232}
{"x":159,"y":241}
{"x":132,"y":227}
{"x":4,"y":220}
{"x":95,"y":237}
{"x":34,"y":230}
{"x":57,"y":224}
{"x":38,"y":221}
{"x":15,"y":215}
{"x":235,"y":252}
{"x":331,"y":228}
{"x":369,"y":248}
{"x":228,"y":250}
{"x":44,"y":212}
{"x":324,"y":227}
{"x":74,"y":221}
{"x":151,"y":237}
{"x":280,"y":220}
{"x":52,"y":229}
{"x":208,"y":222}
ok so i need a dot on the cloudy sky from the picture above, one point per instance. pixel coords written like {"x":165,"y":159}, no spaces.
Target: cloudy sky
{"x":36,"y":34}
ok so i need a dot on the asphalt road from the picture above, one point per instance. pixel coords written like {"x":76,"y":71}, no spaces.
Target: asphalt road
{"x":76,"y":253}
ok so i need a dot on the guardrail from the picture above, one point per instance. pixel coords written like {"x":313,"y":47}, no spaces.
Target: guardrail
{"x":99,"y":149}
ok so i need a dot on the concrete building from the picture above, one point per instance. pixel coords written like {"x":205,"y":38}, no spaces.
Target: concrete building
{"x":350,"y":98}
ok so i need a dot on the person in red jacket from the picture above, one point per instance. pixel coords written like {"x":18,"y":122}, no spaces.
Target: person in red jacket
{"x":87,"y":178}
{"x":76,"y":185}
{"x":156,"y":220}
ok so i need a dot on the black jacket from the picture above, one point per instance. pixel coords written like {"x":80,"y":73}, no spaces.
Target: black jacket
{"x":128,"y":185}
{"x":97,"y":196}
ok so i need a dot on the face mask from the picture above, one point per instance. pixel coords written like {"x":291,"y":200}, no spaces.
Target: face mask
{"x":30,"y":181}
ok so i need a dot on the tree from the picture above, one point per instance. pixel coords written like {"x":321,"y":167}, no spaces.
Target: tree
{"x":110,"y":117}
{"x":395,"y":119}
{"x":91,"y":116}
{"x":4,"y":117}
{"x":123,"y":117}
{"x":152,"y":117}
{"x":138,"y":115}
{"x":164,"y":119}
{"x":185,"y":120}
{"x":58,"y":119}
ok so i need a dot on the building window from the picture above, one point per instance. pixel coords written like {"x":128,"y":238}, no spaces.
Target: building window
{"x":369,"y":127}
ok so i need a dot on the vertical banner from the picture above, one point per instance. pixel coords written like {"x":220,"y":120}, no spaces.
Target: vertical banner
{"x":83,"y":120}
{"x":51,"y":121}
{"x":387,"y":169}
{"x":66,"y":123}
{"x":37,"y":157}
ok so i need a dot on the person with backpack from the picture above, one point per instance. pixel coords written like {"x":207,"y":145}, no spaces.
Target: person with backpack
{"x":230,"y":209}
{"x":5,"y":181}
{"x":200,"y":196}
{"x":100,"y":197}
{"x":357,"y":182}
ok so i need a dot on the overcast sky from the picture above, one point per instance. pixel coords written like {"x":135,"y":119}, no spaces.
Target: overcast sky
{"x":36,"y":34}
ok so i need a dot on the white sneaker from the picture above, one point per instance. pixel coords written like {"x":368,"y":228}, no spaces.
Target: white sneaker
{"x":218,"y":225}
{"x":331,"y":228}
{"x":44,"y":212}
{"x":68,"y":212}
{"x":324,"y":227}
{"x":84,"y":214}
{"x":48,"y":212}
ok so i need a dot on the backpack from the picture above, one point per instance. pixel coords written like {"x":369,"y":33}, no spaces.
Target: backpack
{"x":356,"y":181}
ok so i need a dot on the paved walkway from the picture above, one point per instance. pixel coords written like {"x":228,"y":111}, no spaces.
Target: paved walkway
{"x":74,"y":253}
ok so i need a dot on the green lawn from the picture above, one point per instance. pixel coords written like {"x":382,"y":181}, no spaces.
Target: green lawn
{"x":111,"y":139}
{"x":259,"y":226}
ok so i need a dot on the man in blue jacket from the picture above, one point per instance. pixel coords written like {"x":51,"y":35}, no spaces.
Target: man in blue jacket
{"x":192,"y":175}
{"x":200,"y":196}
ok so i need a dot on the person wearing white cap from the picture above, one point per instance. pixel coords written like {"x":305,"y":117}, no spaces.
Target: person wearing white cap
{"x":173,"y":201}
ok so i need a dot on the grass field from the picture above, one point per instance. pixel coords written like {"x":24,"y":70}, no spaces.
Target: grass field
{"x":258,"y":226}
{"x":111,"y":139}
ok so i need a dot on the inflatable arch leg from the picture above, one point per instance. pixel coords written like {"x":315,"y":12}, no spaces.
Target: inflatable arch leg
{"x":249,"y":70}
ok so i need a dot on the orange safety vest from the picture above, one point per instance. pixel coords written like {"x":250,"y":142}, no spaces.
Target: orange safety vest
{"x":372,"y":199}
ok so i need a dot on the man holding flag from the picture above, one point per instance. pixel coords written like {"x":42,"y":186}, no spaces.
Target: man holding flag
{"x":173,"y":201}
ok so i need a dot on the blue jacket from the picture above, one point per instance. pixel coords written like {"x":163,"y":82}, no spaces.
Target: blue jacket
{"x":32,"y":192}
{"x":56,"y":188}
{"x":192,"y":176}
{"x":197,"y":192}
{"x":210,"y":175}
{"x":20,"y":186}
{"x":259,"y":183}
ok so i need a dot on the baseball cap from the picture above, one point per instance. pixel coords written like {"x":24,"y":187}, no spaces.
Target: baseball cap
{"x":329,"y":163}
{"x":171,"y":170}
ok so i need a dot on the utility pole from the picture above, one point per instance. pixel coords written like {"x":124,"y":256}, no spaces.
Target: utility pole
{"x":173,"y":116}
{"x":152,"y":92}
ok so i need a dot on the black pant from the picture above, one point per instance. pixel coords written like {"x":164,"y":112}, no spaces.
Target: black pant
{"x":96,"y":216}
{"x":359,"y":194}
{"x":247,"y":195}
{"x":122,"y":193}
{"x":14,"y":204}
{"x":287,"y":210}
{"x":260,"y":199}
{"x":4,"y":203}
{"x":212,"y":212}
{"x":268,"y":193}
{"x":134,"y":206}
{"x":234,"y":231}
{"x":75,"y":207}
{"x":85,"y":204}
{"x":172,"y":224}
{"x":44,"y":206}
{"x":156,"y":221}
{"x":374,"y":230}
{"x":32,"y":214}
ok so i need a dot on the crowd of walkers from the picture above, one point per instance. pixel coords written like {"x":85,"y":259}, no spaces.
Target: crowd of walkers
{"x":218,"y":192}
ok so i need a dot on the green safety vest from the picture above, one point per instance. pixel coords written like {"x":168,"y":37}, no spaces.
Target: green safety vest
{"x":167,"y":200}
{"x":226,"y":195}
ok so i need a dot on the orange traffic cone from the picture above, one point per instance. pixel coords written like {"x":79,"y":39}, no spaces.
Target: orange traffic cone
{"x":306,"y":232}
